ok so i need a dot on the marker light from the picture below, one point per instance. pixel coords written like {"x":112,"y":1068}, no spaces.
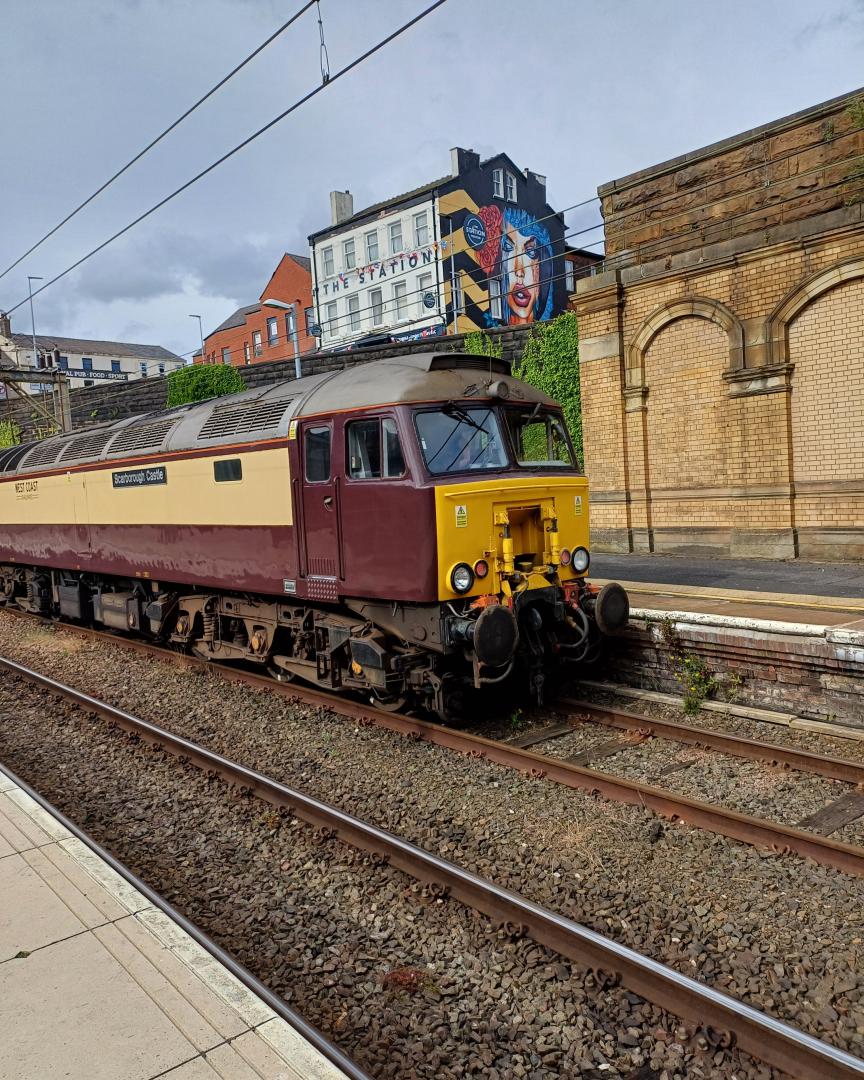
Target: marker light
{"x":581,"y":559}
{"x":481,"y":568}
{"x":461,"y":577}
{"x":564,"y":557}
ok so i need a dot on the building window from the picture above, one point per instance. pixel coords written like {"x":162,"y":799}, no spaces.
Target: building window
{"x":63,"y":363}
{"x":400,"y":290}
{"x":511,"y":187}
{"x":495,"y":299}
{"x":457,"y":293}
{"x":162,"y":367}
{"x":328,"y":265}
{"x":332,"y":312}
{"x":86,"y":363}
{"x":376,"y":302}
{"x":421,"y":230}
{"x":372,"y":246}
{"x":354,"y":312}
{"x":142,"y":368}
{"x":498,"y":183}
{"x":289,"y":325}
{"x":256,"y":342}
{"x":226,"y":356}
{"x":272,"y":330}
{"x":247,"y":352}
{"x":424,"y":286}
{"x":348,"y":254}
{"x":317,"y":454}
{"x":395,"y":237}
{"x":570,"y":275}
{"x":309,"y":318}
{"x":227,"y":471}
{"x":115,"y":366}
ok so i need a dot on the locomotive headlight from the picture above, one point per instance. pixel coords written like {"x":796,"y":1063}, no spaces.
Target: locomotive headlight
{"x":580,"y":560}
{"x":461,"y":577}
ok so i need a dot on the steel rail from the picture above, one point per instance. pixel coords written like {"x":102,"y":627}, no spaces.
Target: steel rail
{"x":725,"y":1020}
{"x":728,"y":743}
{"x":759,"y":832}
{"x":302,"y":1026}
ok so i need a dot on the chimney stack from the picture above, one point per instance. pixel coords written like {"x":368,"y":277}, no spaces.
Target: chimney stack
{"x":5,"y":325}
{"x":463,"y":161}
{"x":341,"y":206}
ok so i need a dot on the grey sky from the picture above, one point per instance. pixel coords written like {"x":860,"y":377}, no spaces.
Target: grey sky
{"x":580,"y":90}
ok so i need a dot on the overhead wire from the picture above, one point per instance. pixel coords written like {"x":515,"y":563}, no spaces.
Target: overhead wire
{"x":167,"y":131}
{"x":240,"y":146}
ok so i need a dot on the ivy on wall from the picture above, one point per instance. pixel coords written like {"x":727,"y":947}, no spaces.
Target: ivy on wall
{"x":10,"y":433}
{"x":550,"y":362}
{"x":480,"y":344}
{"x":201,"y":381}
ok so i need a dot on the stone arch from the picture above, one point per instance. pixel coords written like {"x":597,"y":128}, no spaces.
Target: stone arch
{"x":794,"y":302}
{"x":693,"y":307}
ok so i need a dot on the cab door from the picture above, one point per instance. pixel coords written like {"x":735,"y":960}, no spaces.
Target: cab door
{"x":320,"y":548}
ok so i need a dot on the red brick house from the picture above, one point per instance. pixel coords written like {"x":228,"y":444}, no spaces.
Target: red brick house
{"x":262,"y":332}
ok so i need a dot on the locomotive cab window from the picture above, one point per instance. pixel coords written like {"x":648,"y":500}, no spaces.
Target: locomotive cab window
{"x":317,"y":453}
{"x":374,"y":450}
{"x":460,"y":439}
{"x":539,"y":438}
{"x":227,"y":471}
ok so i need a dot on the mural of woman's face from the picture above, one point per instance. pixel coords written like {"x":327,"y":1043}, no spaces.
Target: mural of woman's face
{"x":520,"y":258}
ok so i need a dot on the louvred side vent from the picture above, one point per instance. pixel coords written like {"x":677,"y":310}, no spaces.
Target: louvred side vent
{"x":246,"y":419}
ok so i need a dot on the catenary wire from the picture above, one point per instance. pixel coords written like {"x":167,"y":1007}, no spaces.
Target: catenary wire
{"x":240,"y":146}
{"x":161,"y":136}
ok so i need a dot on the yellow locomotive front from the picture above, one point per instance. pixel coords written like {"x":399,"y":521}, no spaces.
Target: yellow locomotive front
{"x":511,"y":512}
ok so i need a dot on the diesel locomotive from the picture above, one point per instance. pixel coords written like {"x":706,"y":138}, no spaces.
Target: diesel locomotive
{"x":414,"y":529}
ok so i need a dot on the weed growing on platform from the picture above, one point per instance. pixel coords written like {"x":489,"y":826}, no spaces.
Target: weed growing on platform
{"x":696,"y":678}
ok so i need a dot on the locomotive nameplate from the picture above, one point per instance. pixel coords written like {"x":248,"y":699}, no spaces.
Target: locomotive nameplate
{"x":27,"y":489}
{"x":130,"y":478}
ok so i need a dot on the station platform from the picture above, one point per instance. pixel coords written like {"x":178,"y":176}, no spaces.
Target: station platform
{"x":97,"y":983}
{"x":827,"y":595}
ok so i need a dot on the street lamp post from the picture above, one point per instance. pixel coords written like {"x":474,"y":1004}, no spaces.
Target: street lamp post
{"x":30,"y":280}
{"x":298,"y":368}
{"x":201,"y":334}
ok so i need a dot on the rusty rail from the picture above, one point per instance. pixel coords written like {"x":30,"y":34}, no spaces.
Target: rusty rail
{"x":726,"y":742}
{"x":724,"y":1020}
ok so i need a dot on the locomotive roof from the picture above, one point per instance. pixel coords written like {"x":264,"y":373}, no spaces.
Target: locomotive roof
{"x":266,"y":412}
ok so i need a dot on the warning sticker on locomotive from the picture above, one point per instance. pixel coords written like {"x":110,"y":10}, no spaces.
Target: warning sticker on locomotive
{"x":461,"y":517}
{"x":130,"y":478}
{"x":27,"y":489}
{"x":577,"y":505}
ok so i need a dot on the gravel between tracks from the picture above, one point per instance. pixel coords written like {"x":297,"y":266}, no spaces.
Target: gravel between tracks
{"x":779,"y":931}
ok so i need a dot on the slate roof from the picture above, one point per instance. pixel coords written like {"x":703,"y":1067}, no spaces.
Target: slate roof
{"x":97,"y":348}
{"x":370,"y":211}
{"x":235,"y":319}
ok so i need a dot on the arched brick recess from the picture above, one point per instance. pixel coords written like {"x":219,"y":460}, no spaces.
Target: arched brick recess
{"x":686,"y":444}
{"x":694,"y":307}
{"x":825,"y":343}
{"x":799,"y":298}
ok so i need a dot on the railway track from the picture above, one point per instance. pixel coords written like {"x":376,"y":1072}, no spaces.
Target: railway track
{"x":724,"y":1021}
{"x":761,"y":832}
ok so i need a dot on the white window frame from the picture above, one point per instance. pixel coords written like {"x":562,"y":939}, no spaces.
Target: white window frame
{"x":331,"y":312}
{"x":421,"y":223}
{"x":272,"y":325}
{"x":498,"y":183}
{"x":247,"y":352}
{"x":495,"y":310}
{"x":569,"y":276}
{"x":328,"y":264}
{"x":395,"y":249}
{"x":226,"y":356}
{"x":349,"y":253}
{"x":257,"y":348}
{"x":510,"y":188}
{"x":354,"y":320}
{"x":370,"y":255}
{"x":400,"y":300}
{"x":377,"y":306}
{"x":458,"y":298}
{"x":425,"y":283}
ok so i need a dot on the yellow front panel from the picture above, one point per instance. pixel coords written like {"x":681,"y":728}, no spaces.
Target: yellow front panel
{"x":191,"y":495}
{"x":465,"y":521}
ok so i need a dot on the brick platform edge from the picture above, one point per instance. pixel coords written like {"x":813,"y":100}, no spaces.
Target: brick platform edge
{"x":813,"y":671}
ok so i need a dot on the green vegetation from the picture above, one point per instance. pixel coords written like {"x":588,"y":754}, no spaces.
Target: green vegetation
{"x":855,"y":112}
{"x":479,"y":343}
{"x":697,"y":680}
{"x":551,"y":363}
{"x":10,"y":433}
{"x":201,"y":381}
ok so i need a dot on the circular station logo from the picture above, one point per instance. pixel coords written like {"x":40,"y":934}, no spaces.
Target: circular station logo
{"x":475,"y":231}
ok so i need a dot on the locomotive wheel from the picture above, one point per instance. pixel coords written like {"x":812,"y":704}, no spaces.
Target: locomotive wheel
{"x":387,"y":702}
{"x":280,"y":674}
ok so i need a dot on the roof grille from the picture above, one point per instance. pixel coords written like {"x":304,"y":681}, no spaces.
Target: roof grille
{"x":87,"y":446}
{"x":139,"y":437}
{"x":44,"y":453}
{"x":244,"y":419}
{"x":9,"y":458}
